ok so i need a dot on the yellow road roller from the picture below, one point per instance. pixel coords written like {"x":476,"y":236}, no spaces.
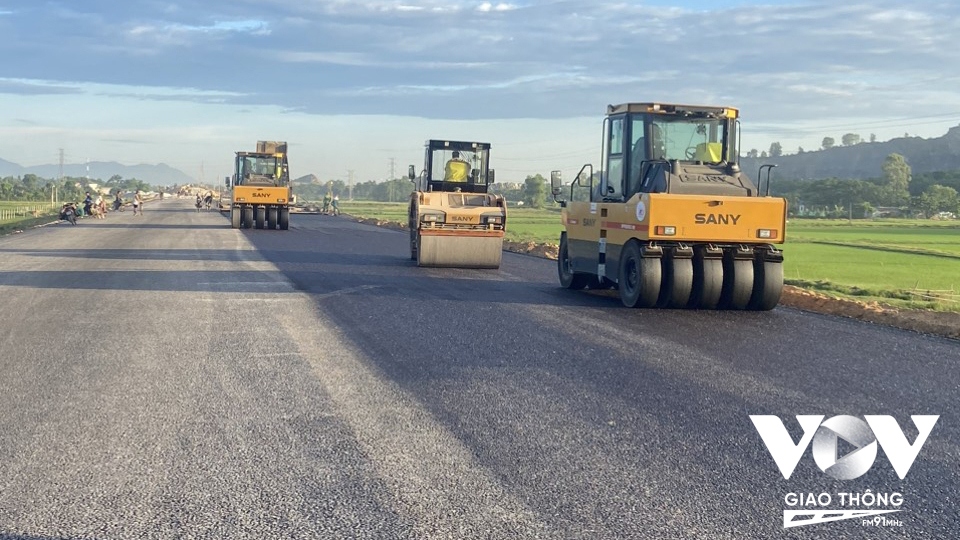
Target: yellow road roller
{"x":454,"y":220}
{"x":260,"y":191}
{"x":670,"y":220}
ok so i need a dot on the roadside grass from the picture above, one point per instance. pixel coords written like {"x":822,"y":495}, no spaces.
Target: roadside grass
{"x":380,"y":210}
{"x":904,"y":236}
{"x":899,"y":279}
{"x":533,"y":225}
{"x":19,"y":224}
{"x":899,"y":262}
{"x":9,"y":207}
{"x":903,"y":263}
{"x":18,"y":215}
{"x":523,"y":224}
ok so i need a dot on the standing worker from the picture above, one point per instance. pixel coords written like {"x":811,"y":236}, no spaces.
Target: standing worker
{"x":101,"y":207}
{"x":137,"y":203}
{"x":327,"y":199}
{"x":336,"y":205}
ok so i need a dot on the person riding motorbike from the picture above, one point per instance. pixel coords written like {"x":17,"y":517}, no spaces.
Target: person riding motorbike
{"x":68,"y":212}
{"x":87,"y":204}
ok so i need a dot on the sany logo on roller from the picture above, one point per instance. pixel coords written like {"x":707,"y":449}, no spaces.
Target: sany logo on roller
{"x":864,"y":435}
{"x":716,"y":219}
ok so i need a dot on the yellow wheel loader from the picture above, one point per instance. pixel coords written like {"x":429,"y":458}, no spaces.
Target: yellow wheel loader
{"x":260,"y":188}
{"x":670,"y":220}
{"x":454,"y":220}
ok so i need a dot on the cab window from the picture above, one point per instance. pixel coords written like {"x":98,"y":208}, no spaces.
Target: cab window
{"x":615,"y":159}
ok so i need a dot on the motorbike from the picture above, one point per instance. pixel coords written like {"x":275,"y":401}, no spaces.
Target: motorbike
{"x":68,"y":212}
{"x":117,"y":205}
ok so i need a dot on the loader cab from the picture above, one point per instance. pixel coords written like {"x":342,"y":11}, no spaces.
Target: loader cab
{"x":660,"y":148}
{"x":455,"y":166}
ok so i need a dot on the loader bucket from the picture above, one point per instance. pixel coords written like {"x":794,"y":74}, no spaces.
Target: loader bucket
{"x":460,"y":249}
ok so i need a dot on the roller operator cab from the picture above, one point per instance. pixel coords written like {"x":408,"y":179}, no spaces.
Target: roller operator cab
{"x":454,"y":220}
{"x":670,"y":220}
{"x":260,"y":188}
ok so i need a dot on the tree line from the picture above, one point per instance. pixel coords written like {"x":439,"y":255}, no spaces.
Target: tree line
{"x":897,"y":192}
{"x":848,"y":139}
{"x":533,"y":191}
{"x":395,"y":190}
{"x":31,"y":187}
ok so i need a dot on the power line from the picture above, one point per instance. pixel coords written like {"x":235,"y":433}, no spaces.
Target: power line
{"x":569,"y":154}
{"x":892,"y":122}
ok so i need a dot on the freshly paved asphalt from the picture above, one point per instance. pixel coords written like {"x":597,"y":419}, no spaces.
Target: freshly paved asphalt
{"x":165,"y":376}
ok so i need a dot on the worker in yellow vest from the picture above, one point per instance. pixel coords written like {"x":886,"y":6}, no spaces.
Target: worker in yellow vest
{"x":456,"y":170}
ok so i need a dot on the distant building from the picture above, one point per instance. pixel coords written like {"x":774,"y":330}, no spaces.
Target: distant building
{"x":887,"y":212}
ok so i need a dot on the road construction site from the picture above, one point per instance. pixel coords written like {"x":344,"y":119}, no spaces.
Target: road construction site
{"x":166,"y":375}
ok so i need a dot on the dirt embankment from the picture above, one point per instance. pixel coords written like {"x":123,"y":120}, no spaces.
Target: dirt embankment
{"x":941,"y":323}
{"x":928,"y":322}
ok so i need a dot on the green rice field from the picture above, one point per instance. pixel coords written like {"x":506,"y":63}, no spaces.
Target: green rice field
{"x":17,"y":214}
{"x":914,"y":263}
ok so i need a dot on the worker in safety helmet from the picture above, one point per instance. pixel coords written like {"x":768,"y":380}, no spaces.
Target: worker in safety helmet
{"x":457,"y":169}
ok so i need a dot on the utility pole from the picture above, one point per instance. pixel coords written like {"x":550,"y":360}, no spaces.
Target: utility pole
{"x":56,"y":186}
{"x":350,"y":183}
{"x":392,"y":168}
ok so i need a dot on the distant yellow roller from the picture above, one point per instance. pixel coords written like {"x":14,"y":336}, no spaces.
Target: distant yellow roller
{"x":460,"y":249}
{"x":454,"y":221}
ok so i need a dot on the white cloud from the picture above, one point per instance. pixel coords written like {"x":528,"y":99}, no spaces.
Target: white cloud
{"x":369,"y":60}
{"x":899,"y":15}
{"x":326,"y":57}
{"x":115,"y":90}
{"x":487,"y":6}
{"x":178,"y":34}
{"x":820,"y":90}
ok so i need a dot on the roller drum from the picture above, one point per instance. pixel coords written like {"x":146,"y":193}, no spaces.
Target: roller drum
{"x":459,"y":251}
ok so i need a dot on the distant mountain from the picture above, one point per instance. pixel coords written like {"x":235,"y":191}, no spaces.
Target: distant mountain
{"x":864,"y":160}
{"x":6,"y":166}
{"x":160,"y":174}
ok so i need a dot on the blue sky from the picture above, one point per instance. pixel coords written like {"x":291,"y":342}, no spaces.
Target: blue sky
{"x":353,"y":83}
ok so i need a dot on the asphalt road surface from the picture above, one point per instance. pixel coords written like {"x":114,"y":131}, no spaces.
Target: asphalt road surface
{"x":165,"y":376}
